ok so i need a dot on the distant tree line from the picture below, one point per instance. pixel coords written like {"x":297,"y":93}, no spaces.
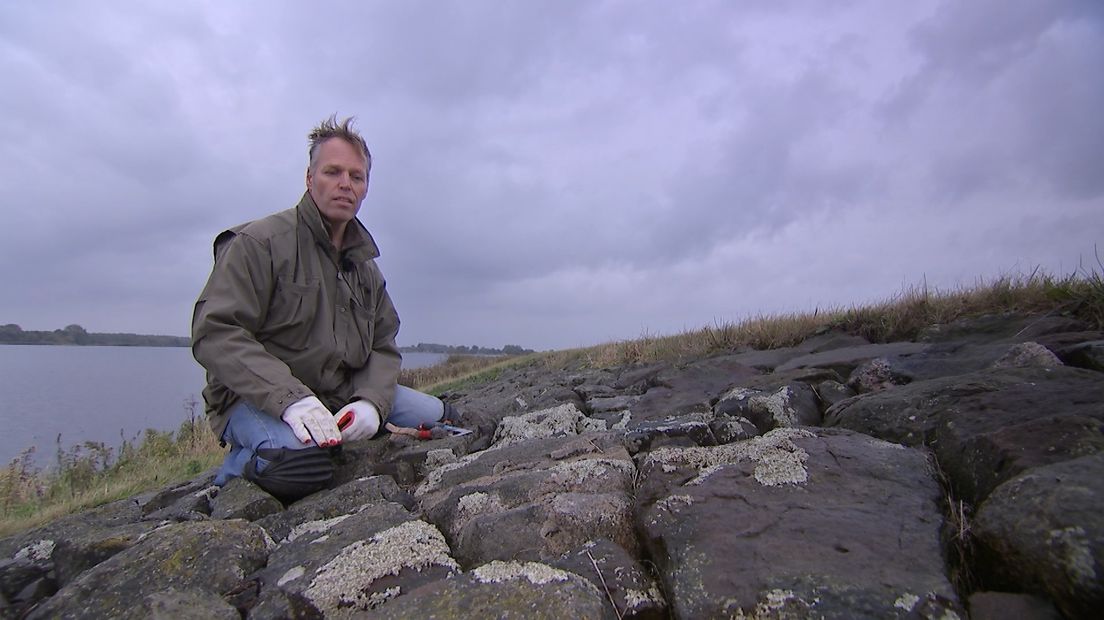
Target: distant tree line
{"x":429,"y":347}
{"x":77,"y":335}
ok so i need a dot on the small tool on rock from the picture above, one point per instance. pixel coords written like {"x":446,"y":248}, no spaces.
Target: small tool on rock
{"x":433,"y":430}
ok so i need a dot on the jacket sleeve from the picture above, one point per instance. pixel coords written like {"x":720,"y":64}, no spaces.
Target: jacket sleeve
{"x":376,"y":381}
{"x":230,"y":310}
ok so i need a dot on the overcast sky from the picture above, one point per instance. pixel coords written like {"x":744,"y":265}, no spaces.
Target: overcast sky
{"x":553,"y":173}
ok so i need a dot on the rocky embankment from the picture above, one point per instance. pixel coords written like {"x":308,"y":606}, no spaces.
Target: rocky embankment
{"x":961,"y":475}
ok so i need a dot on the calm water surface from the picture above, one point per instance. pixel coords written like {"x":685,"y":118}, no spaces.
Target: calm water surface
{"x":100,"y":394}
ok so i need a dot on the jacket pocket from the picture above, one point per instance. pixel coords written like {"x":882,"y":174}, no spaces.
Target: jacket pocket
{"x":291,"y":314}
{"x":364,"y":324}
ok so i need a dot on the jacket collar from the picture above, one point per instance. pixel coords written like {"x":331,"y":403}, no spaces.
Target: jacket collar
{"x":359,"y":244}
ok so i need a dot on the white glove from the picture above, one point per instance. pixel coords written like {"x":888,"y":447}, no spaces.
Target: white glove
{"x":358,"y":420}
{"x":311,"y":421}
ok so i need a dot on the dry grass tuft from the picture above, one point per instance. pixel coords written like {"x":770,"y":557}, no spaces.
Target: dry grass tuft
{"x":457,"y":370}
{"x":901,"y":317}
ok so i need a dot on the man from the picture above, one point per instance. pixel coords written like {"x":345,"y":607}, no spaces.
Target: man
{"x":297,"y":331}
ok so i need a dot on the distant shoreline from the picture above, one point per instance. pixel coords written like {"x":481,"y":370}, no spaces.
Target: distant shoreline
{"x":75,"y":335}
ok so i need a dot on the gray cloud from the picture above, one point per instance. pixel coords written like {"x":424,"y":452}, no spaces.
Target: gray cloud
{"x":553,"y":173}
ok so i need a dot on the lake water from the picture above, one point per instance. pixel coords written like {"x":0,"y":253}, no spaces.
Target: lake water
{"x":100,"y":394}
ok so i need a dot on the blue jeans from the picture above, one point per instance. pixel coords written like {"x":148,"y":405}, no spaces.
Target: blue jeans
{"x":250,"y":429}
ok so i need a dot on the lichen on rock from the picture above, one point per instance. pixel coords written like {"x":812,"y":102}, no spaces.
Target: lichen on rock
{"x":562,"y":420}
{"x":533,"y":572}
{"x":314,"y":527}
{"x":344,"y":581}
{"x":38,"y":551}
{"x":777,"y":460}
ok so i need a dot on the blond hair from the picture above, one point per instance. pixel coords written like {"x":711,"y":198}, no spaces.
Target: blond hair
{"x":330,"y":128}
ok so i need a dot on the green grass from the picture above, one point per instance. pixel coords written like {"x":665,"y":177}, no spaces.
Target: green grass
{"x":92,"y":474}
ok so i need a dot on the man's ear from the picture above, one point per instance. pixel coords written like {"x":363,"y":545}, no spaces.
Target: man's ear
{"x":308,"y":179}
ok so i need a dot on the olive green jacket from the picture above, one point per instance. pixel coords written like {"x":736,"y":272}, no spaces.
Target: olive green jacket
{"x":284,"y":316}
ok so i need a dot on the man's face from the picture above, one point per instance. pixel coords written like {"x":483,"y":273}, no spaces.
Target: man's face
{"x":338,"y":180}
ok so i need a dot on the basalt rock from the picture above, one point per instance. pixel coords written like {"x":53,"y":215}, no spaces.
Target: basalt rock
{"x":835,"y":478}
{"x":1043,"y":531}
{"x":798,"y":522}
{"x":988,"y":426}
{"x":204,"y":558}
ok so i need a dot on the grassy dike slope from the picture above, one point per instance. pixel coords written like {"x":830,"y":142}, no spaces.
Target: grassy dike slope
{"x":93,"y":474}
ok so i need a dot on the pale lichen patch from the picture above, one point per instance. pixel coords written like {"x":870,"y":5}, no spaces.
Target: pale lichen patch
{"x":672,"y":502}
{"x":38,"y":551}
{"x":906,"y":601}
{"x":623,"y":423}
{"x":639,"y":598}
{"x":533,"y":572}
{"x":343,"y":582}
{"x":379,"y":598}
{"x":555,"y":422}
{"x":573,"y":473}
{"x":313,"y":527}
{"x":475,"y":504}
{"x":1077,"y":552}
{"x":434,"y":478}
{"x":291,"y":575}
{"x":777,"y":460}
{"x":774,"y":604}
{"x":437,"y":458}
{"x":739,"y":393}
{"x":778,"y":406}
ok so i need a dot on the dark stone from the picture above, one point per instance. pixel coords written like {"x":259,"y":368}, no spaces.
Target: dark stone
{"x":611,"y":570}
{"x":504,"y":590}
{"x":727,"y":429}
{"x":795,"y":404}
{"x":353,"y":563}
{"x":846,"y":359}
{"x":638,"y":379}
{"x":987,"y":329}
{"x":831,"y":392}
{"x":875,"y":375}
{"x":208,"y":557}
{"x":16,"y":573}
{"x":34,"y":592}
{"x":588,"y":391}
{"x":1043,"y":531}
{"x":77,"y":553}
{"x":344,"y":500}
{"x":987,"y":427}
{"x":1088,"y":355}
{"x":775,"y":380}
{"x":691,"y":388}
{"x":241,"y":499}
{"x":808,"y":522}
{"x":1006,"y":605}
{"x":948,"y":359}
{"x":612,"y":403}
{"x":193,"y":505}
{"x":188,"y":496}
{"x":537,"y":501}
{"x":172,"y":604}
{"x":688,"y":430}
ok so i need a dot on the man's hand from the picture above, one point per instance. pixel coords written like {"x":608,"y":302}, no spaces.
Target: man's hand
{"x":358,"y":420}
{"x":311,"y":421}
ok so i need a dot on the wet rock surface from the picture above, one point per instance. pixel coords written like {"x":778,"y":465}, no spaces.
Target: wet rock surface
{"x":954,"y":476}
